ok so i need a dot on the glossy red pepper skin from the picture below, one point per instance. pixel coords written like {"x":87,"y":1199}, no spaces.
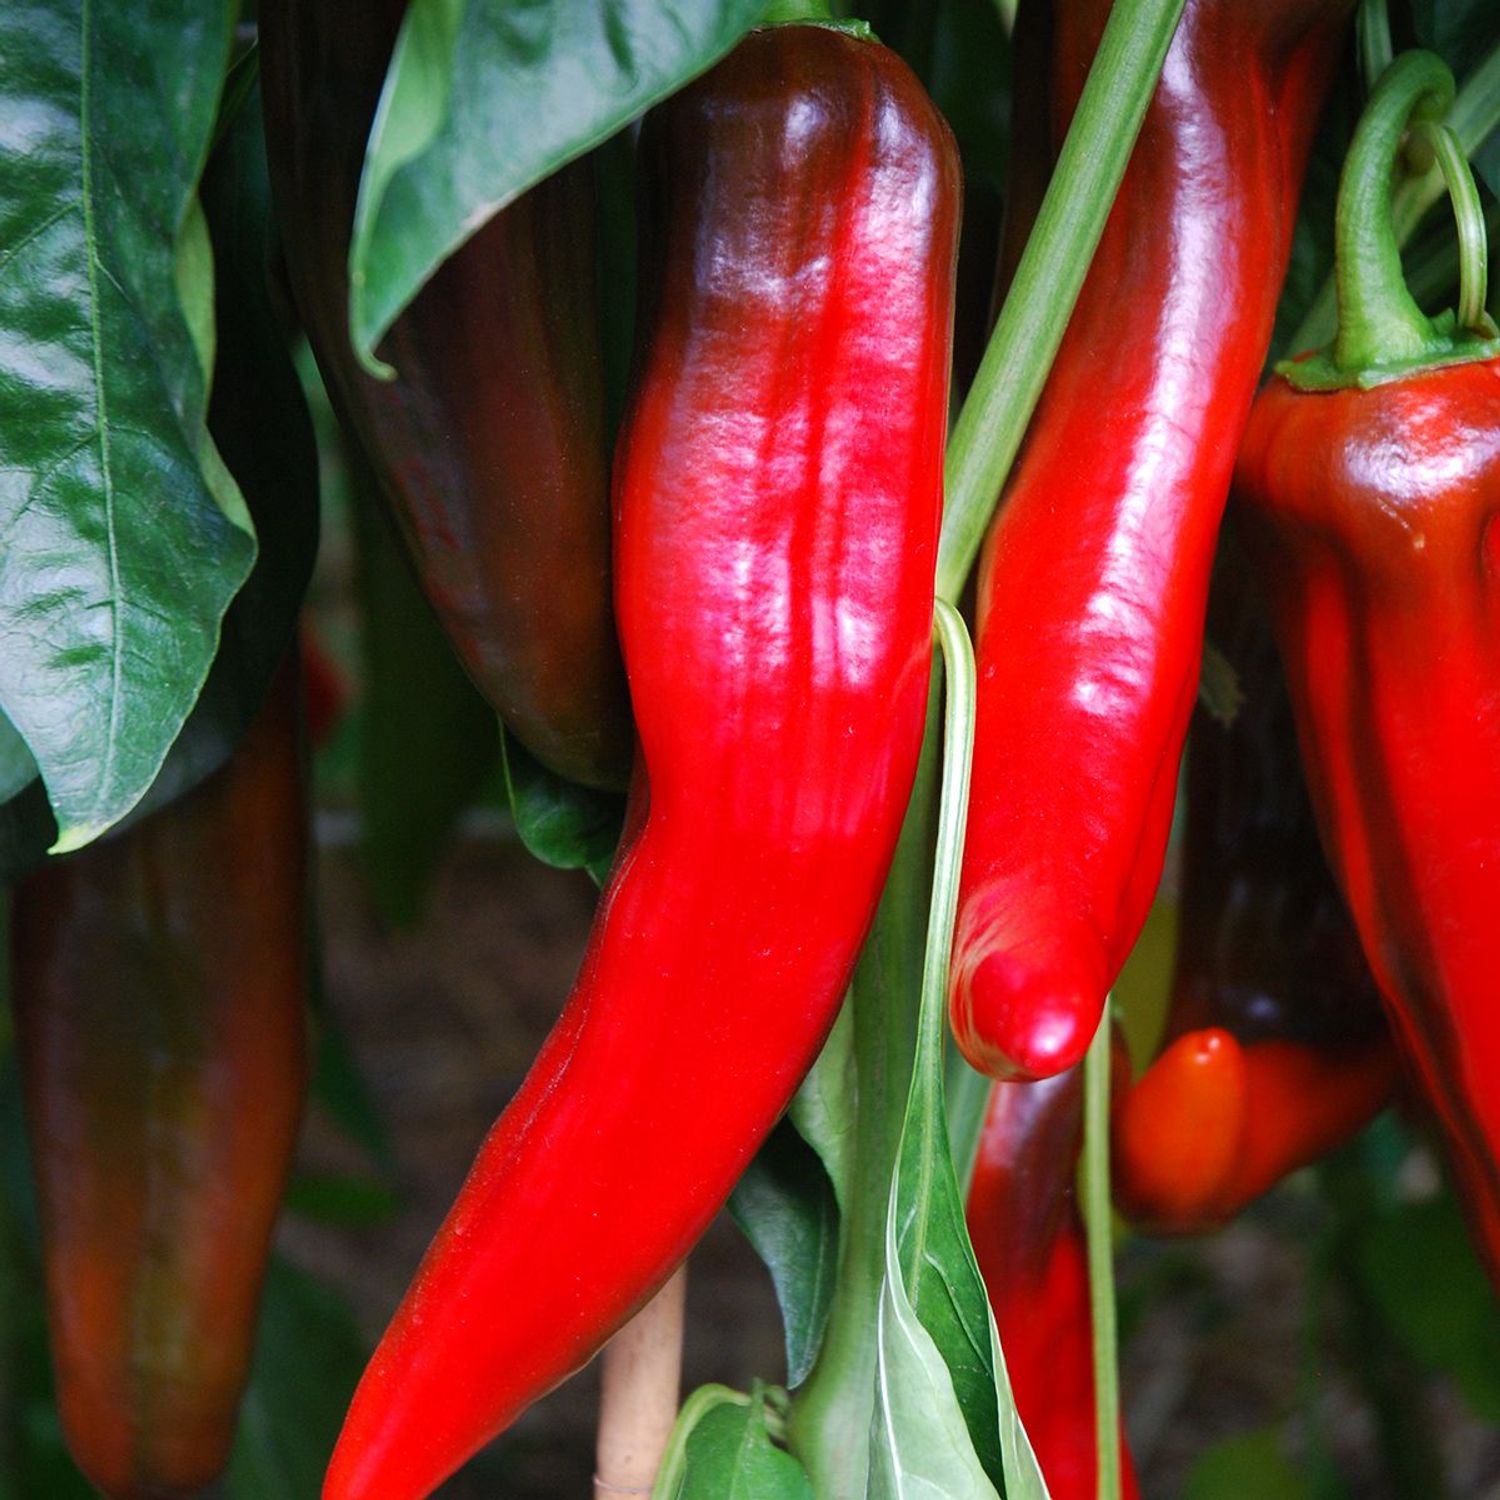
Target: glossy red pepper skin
{"x":1277,"y":1048}
{"x":1375,"y":516}
{"x":1095,"y":574}
{"x":1029,"y":1241}
{"x":159,"y":986}
{"x":490,"y":442}
{"x":778,"y":486}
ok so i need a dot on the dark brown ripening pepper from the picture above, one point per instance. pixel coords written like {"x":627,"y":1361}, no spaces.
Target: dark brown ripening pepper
{"x":1276,"y":1047}
{"x":159,"y":984}
{"x":490,"y":441}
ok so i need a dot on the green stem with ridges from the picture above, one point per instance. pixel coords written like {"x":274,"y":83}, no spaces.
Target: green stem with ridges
{"x":1379,"y":323}
{"x":1009,"y":382}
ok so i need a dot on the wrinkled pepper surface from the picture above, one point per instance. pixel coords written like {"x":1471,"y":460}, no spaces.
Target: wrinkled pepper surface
{"x":1029,"y":1240}
{"x":778,"y":488}
{"x":160,"y":985}
{"x":490,"y":441}
{"x":1276,"y":1049}
{"x":1370,"y":482}
{"x":1094,"y":578}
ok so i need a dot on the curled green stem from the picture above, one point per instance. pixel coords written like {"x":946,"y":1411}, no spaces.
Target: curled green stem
{"x":1379,"y":323}
{"x":1468,"y":214}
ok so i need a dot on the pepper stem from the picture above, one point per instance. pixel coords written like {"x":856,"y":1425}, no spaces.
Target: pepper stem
{"x":1468,"y":214}
{"x":1379,"y":323}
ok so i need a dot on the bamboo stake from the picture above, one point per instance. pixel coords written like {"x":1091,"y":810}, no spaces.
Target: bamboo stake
{"x":642,"y":1373}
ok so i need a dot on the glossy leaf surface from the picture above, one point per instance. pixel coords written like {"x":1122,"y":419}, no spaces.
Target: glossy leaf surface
{"x":486,"y":98}
{"x":125,"y":537}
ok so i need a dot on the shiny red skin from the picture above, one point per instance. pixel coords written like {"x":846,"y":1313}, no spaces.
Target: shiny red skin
{"x":1029,"y":1241}
{"x":778,"y":487}
{"x":490,"y":442}
{"x":1375,"y":517}
{"x":160,"y":994}
{"x":1278,"y":1047}
{"x":1094,"y":577}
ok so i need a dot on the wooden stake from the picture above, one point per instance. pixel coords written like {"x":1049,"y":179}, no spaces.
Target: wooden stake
{"x":642,"y":1373}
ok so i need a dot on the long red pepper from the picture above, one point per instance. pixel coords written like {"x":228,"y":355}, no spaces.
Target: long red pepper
{"x":1029,"y":1240}
{"x":160,"y":990}
{"x":490,"y":440}
{"x":1095,"y":574}
{"x":778,"y":489}
{"x":1277,"y":1050}
{"x":1371,"y":486}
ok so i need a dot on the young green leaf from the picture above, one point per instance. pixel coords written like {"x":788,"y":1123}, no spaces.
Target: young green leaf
{"x":484,"y":99}
{"x":125,"y":537}
{"x":570,"y":826}
{"x":721,"y":1449}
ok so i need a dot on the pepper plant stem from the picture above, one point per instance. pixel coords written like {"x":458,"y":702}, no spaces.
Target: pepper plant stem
{"x":1378,"y":321}
{"x":1009,"y":382}
{"x":1098,"y":1221}
{"x":1474,"y":117}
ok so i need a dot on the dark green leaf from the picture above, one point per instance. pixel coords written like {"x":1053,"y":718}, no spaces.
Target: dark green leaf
{"x":563,"y":824}
{"x":125,"y":537}
{"x":17,"y":765}
{"x":329,"y":1198}
{"x":339,"y":1087}
{"x":308,"y":1357}
{"x":485,"y":99}
{"x":1459,"y":31}
{"x":721,"y":1450}
{"x":428,"y":738}
{"x":256,"y":392}
{"x":1243,"y":1466}
{"x":1416,"y":1261}
{"x":786,"y":1207}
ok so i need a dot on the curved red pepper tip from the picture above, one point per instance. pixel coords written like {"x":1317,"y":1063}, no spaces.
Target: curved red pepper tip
{"x":1046,"y":1011}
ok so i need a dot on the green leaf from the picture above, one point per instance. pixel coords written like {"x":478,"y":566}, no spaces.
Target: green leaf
{"x":920,"y":1443}
{"x":334,"y":1198}
{"x":484,"y":99}
{"x":428,"y":739}
{"x":1457,"y":30}
{"x":721,"y":1450}
{"x":1417,"y":1263}
{"x":1248,"y":1465}
{"x":125,"y":538}
{"x":823,"y":1107}
{"x":933,"y":1303}
{"x":786,"y":1207}
{"x":570,"y":826}
{"x":308,"y":1356}
{"x":17,"y":765}
{"x":256,"y":391}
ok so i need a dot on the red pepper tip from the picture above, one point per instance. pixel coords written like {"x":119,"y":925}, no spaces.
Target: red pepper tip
{"x":1020,"y":1020}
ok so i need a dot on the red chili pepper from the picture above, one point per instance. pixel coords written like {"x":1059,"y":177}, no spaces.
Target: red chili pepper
{"x":778,"y":487}
{"x":1370,"y":478}
{"x":1277,"y":1048}
{"x":159,"y":984}
{"x":490,"y":441}
{"x":1095,"y":574}
{"x":1029,"y":1241}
